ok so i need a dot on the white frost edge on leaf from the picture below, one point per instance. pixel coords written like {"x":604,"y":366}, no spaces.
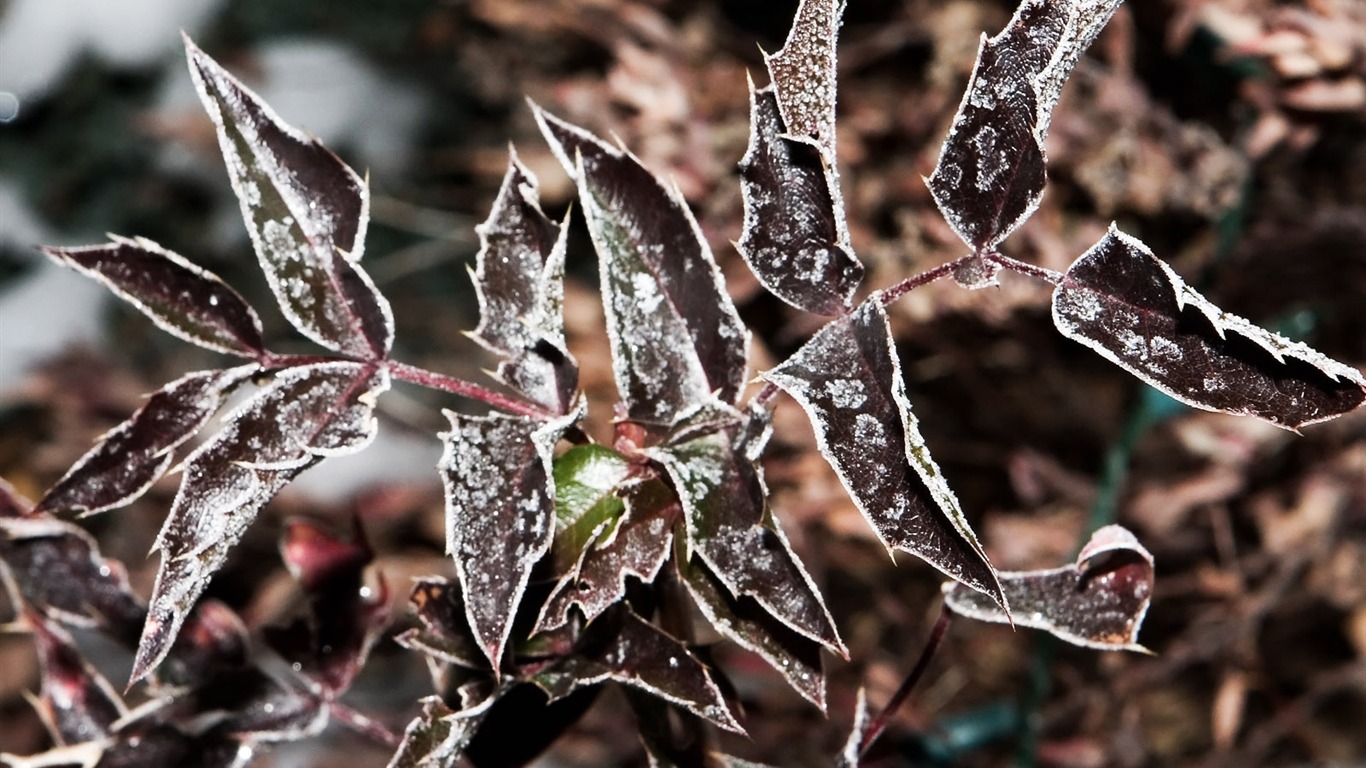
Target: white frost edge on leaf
{"x":40,"y":526}
{"x":1110,"y":538}
{"x":853,"y":746}
{"x":1085,"y":20}
{"x":1276,"y":345}
{"x":143,"y":244}
{"x":805,"y":20}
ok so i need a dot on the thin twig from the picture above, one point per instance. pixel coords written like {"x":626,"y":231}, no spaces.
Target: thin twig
{"x":362,"y":724}
{"x":879,"y":724}
{"x":889,"y":296}
{"x":1024,"y":268}
{"x":433,"y":380}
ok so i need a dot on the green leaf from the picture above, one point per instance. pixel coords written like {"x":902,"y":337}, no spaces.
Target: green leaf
{"x":586,"y":477}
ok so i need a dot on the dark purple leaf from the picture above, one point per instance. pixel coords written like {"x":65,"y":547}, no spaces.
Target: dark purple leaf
{"x":445,"y":633}
{"x":803,"y":73}
{"x":520,"y":284}
{"x":436,"y":738}
{"x":848,"y":379}
{"x":306,"y":212}
{"x":130,"y":457}
{"x":991,"y":170}
{"x":329,"y":644}
{"x":636,"y":544}
{"x":306,"y":414}
{"x":76,"y":701}
{"x":184,"y":299}
{"x":676,"y":337}
{"x":623,"y":647}
{"x":257,"y":706}
{"x":797,"y":658}
{"x":157,"y":744}
{"x":1099,"y":602}
{"x":1122,"y":301}
{"x":794,"y":236}
{"x":213,"y":639}
{"x":730,"y":528}
{"x":500,"y":513}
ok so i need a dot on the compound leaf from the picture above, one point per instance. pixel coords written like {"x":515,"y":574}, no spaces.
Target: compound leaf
{"x":500,"y":513}
{"x":794,"y":238}
{"x":306,"y":414}
{"x":991,"y":170}
{"x":1099,"y":602}
{"x":729,"y":527}
{"x":306,"y":212}
{"x":184,"y":299}
{"x":848,"y":380}
{"x":519,"y":280}
{"x":130,"y":457}
{"x":1122,"y":301}
{"x":803,"y":73}
{"x":676,"y":337}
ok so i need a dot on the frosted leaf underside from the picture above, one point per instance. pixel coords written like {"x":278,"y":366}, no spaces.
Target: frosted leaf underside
{"x":184,"y":299}
{"x":520,"y":285}
{"x":730,"y":529}
{"x":306,"y":212}
{"x":848,"y":379}
{"x":1098,"y":602}
{"x":130,"y":457}
{"x":676,"y":337}
{"x":803,"y":73}
{"x":991,"y":169}
{"x":500,"y":514}
{"x":306,"y":414}
{"x":794,"y":237}
{"x":1122,"y":301}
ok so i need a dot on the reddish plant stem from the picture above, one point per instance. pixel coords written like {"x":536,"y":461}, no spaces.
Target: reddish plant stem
{"x":1024,"y":268}
{"x":432,"y":380}
{"x":889,"y":296}
{"x":362,"y":724}
{"x":879,"y":724}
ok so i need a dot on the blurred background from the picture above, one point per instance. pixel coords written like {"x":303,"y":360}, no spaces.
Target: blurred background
{"x":1228,"y":134}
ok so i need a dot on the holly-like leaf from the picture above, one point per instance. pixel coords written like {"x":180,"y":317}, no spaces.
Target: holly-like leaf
{"x":130,"y":457}
{"x":794,"y":237}
{"x":500,"y":513}
{"x":1099,"y":602}
{"x":795,"y":657}
{"x":306,"y":212}
{"x":329,"y":644}
{"x":991,"y":170}
{"x":77,"y":703}
{"x":848,"y":379}
{"x":306,"y":414}
{"x":730,"y":528}
{"x":634,"y":544}
{"x":184,"y":299}
{"x":623,"y":647}
{"x":1122,"y":301}
{"x":520,"y":284}
{"x":676,"y":337}
{"x":803,"y":73}
{"x":445,"y":633}
{"x":436,"y":738}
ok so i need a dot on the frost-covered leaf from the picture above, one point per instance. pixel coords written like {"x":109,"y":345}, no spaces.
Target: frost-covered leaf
{"x":848,"y":379}
{"x":635,"y":543}
{"x":795,"y":657}
{"x":730,"y":528}
{"x":143,"y":745}
{"x":676,"y":337}
{"x":445,"y":633}
{"x":803,"y":73}
{"x":130,"y":457}
{"x":184,"y":299}
{"x":306,"y":212}
{"x":76,"y":701}
{"x":436,"y":738}
{"x":849,"y":756}
{"x":1099,"y":602}
{"x":328,"y":645}
{"x":991,"y":170}
{"x":623,"y":647}
{"x":794,"y":237}
{"x":586,"y":481}
{"x":306,"y":414}
{"x":1122,"y":301}
{"x":500,"y":513}
{"x":520,"y":285}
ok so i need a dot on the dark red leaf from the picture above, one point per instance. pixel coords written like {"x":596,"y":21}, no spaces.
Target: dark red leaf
{"x":803,"y":73}
{"x":500,"y":513}
{"x":76,"y":701}
{"x":445,"y":633}
{"x":520,"y":284}
{"x":306,"y":212}
{"x":676,"y":337}
{"x":1099,"y":602}
{"x":306,"y":414}
{"x":848,"y":379}
{"x":436,"y":738}
{"x":1122,"y":301}
{"x":184,"y":299}
{"x":794,"y":236}
{"x":130,"y":457}
{"x":213,"y":639}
